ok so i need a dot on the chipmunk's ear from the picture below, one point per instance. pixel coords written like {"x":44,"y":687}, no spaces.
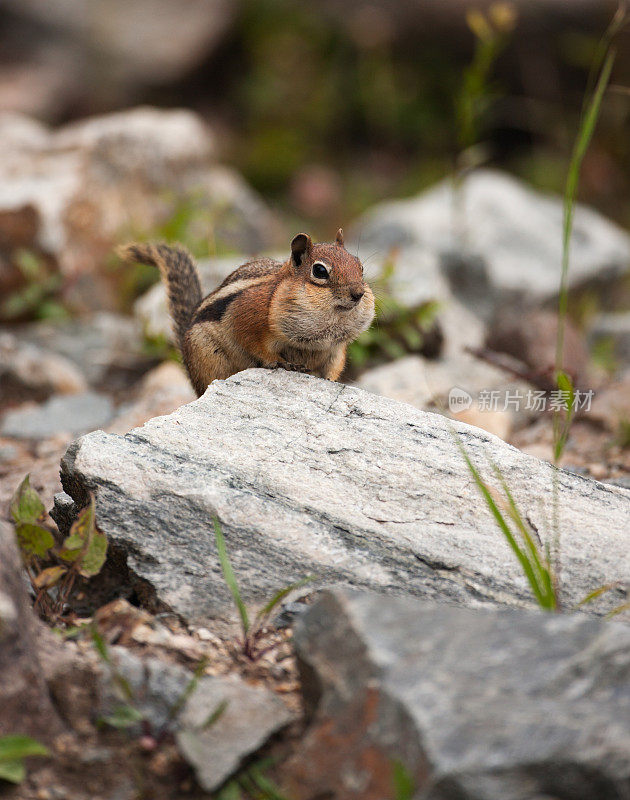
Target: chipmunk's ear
{"x":301,"y":246}
{"x":339,"y":238}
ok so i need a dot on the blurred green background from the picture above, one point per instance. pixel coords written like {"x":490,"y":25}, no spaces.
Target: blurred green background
{"x":326,"y":107}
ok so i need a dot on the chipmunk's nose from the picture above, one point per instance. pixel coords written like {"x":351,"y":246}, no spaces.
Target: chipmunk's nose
{"x":357,"y":294}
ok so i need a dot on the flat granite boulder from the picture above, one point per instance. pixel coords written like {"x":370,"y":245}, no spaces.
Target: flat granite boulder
{"x":477,"y":704}
{"x":312,"y":477}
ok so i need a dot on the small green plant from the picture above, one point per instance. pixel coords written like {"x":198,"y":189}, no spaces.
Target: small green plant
{"x":37,"y":299}
{"x":251,"y":630}
{"x":253,"y":781}
{"x":492,"y":34}
{"x":535,"y":563}
{"x":397,"y":330}
{"x":82,"y":552}
{"x":13,"y":750}
{"x":602,"y":68}
{"x":127,"y":714}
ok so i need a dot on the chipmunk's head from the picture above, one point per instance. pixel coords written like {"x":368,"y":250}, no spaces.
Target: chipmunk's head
{"x":333,"y":301}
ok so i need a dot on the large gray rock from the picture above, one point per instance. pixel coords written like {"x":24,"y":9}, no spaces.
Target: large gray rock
{"x":69,"y":195}
{"x":312,"y":477}
{"x":482,"y":704}
{"x":500,"y":241}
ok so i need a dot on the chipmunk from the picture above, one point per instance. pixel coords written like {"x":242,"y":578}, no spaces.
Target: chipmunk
{"x":299,"y":315}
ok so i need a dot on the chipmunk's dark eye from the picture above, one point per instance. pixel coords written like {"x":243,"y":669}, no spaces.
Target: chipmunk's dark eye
{"x":319,"y":271}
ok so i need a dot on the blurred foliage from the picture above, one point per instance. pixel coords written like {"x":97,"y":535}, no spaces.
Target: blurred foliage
{"x":308,"y":91}
{"x":384,"y":109}
{"x":397,"y":329}
{"x":13,"y":750}
{"x":160,"y":348}
{"x":603,"y":354}
{"x":39,"y":297}
{"x":623,"y":433}
{"x":191,"y":221}
{"x":492,"y":35}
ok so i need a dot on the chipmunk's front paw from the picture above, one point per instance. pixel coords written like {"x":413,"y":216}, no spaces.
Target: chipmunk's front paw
{"x":289,"y":366}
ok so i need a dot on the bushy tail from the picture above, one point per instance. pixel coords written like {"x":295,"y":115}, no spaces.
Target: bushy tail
{"x":179,"y":274}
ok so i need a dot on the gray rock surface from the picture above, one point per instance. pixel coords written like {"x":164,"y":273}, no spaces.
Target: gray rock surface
{"x":501,"y":241}
{"x":245,"y":718}
{"x":312,"y":477}
{"x":71,"y":414}
{"x":482,"y":704}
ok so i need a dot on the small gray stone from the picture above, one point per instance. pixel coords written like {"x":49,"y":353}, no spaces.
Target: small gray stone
{"x":70,"y":414}
{"x":483,"y":704}
{"x":309,"y":477}
{"x":156,"y":687}
{"x":250,"y":715}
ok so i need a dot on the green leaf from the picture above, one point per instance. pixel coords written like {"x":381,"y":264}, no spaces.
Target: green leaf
{"x":404,"y":787}
{"x":26,"y":505}
{"x":230,"y":791}
{"x":267,"y":788}
{"x":85,"y":544}
{"x":229,"y":577}
{"x":33,"y":539}
{"x":12,"y":771}
{"x":49,"y":577}
{"x":73,"y":542}
{"x":123,"y":717}
{"x":280,"y":595}
{"x":95,"y":555}
{"x":99,"y":645}
{"x":16,"y":747}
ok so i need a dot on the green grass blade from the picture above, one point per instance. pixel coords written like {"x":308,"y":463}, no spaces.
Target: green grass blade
{"x":618,"y":610}
{"x":542,"y":568}
{"x":229,"y":577}
{"x":505,"y":528}
{"x":279,"y":597}
{"x":15,"y":747}
{"x":215,"y":715}
{"x":597,"y":593}
{"x":585,"y":134}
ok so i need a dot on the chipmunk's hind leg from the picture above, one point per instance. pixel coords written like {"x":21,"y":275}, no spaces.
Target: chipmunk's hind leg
{"x":205,"y":358}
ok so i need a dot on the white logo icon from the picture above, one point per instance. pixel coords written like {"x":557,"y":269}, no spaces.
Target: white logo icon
{"x":459,"y":400}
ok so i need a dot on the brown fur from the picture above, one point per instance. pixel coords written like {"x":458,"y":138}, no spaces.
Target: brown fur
{"x":266,"y":313}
